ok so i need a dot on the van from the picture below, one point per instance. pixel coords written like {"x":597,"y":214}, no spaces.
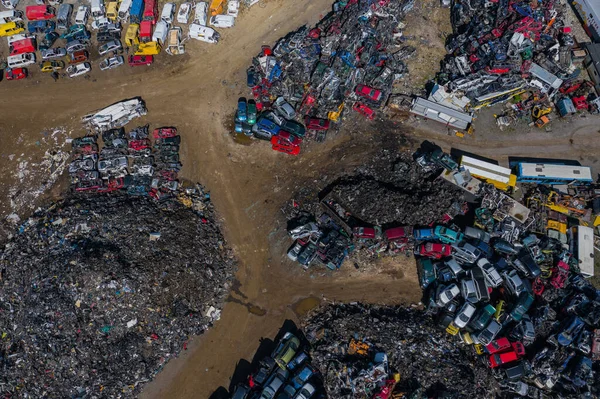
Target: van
{"x":10,"y":16}
{"x":131,"y":36}
{"x":146,"y":31}
{"x":112,"y":11}
{"x":38,"y":13}
{"x":136,"y":11}
{"x":98,"y":9}
{"x":22,"y":46}
{"x":222,"y":21}
{"x":82,"y":15}
{"x":168,"y":12}
{"x":201,"y":13}
{"x":20,"y":60}
{"x":217,"y":7}
{"x":160,"y":32}
{"x":203,"y":33}
{"x":175,"y":47}
{"x":63,"y":16}
{"x":123,"y":12}
{"x":12,"y":28}
{"x":233,"y":8}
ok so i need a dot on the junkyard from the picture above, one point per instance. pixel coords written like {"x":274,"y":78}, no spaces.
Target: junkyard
{"x":412,"y":258}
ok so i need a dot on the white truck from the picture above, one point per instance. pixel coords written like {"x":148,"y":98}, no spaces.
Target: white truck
{"x":174,"y":45}
{"x":116,"y":115}
{"x":203,"y":33}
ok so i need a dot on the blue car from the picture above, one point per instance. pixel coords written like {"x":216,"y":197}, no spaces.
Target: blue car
{"x":423,"y":234}
{"x":302,"y":376}
{"x":265,"y":128}
{"x":41,"y":26}
{"x":251,"y":80}
{"x":242,"y":110}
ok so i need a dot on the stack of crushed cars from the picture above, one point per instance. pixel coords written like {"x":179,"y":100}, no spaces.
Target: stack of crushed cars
{"x":519,"y":50}
{"x":127,"y":162}
{"x":516,"y":296}
{"x":351,"y":58}
{"x":287,"y":373}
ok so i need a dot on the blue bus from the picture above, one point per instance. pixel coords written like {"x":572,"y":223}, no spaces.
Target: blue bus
{"x":137,"y":9}
{"x":545,"y":173}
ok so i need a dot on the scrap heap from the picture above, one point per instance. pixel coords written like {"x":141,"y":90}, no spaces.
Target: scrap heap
{"x":521,"y":50}
{"x":351,"y":58}
{"x":372,"y":210}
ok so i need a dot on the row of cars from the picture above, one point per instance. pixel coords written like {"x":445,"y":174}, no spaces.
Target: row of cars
{"x":285,"y":374}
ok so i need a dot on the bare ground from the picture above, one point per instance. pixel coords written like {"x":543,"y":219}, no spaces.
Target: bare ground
{"x":248,"y":183}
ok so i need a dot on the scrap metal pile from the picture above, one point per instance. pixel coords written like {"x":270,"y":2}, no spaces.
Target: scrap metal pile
{"x":351,"y":58}
{"x":378,"y":352}
{"x":503,"y":49}
{"x":372,"y":210}
{"x":128,"y":162}
{"x":98,"y":293}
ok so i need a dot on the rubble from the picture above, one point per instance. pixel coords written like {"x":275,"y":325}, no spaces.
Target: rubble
{"x":350,"y":60}
{"x":91,"y":307}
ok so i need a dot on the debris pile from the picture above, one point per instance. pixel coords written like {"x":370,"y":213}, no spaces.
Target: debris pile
{"x":350,"y":59}
{"x":98,"y":293}
{"x":373,"y":210}
{"x":359,"y":349}
{"x":518,"y":51}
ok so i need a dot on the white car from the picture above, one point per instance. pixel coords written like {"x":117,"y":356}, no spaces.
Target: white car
{"x":20,"y":60}
{"x":222,"y":21}
{"x":201,"y":13}
{"x":491,"y":274}
{"x":464,"y":315}
{"x":53,"y":53}
{"x":203,"y":33}
{"x":78,"y":69}
{"x":160,"y":32}
{"x":233,"y":8}
{"x":81,"y":17}
{"x":111,"y":63}
{"x":100,"y":23}
{"x":183,"y":16}
{"x":448,"y":295}
{"x":168,"y":12}
{"x":113,"y":45}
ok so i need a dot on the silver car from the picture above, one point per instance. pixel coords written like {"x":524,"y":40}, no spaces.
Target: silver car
{"x":75,"y":45}
{"x":284,"y":108}
{"x":112,"y":164}
{"x":489,"y":333}
{"x":304,"y":231}
{"x":112,"y":62}
{"x":53,"y":53}
{"x":113,"y":45}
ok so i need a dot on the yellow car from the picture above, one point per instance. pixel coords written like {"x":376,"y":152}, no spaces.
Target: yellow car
{"x":112,"y":11}
{"x":150,"y":48}
{"x":131,"y":37}
{"x":51,"y":66}
{"x":478,"y":349}
{"x":499,"y":310}
{"x":12,"y":28}
{"x":452,"y":329}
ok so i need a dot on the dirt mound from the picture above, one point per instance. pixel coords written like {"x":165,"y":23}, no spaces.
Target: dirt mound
{"x":98,"y":293}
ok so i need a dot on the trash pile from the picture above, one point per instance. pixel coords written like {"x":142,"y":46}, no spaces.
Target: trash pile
{"x":98,"y":293}
{"x":382,"y":352}
{"x":287,"y":372}
{"x":373,"y":211}
{"x":351,"y":58}
{"x":128,"y":162}
{"x":519,"y":51}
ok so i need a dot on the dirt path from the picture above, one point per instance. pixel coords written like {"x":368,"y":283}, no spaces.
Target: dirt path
{"x":248,"y":183}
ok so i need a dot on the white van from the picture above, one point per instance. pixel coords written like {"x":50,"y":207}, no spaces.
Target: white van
{"x":20,"y":60}
{"x":10,"y":16}
{"x":168,"y":12}
{"x":184,"y":13}
{"x":98,"y":9}
{"x":10,"y":4}
{"x":222,"y":21}
{"x":233,"y":8}
{"x":160,"y":32}
{"x":201,"y":13}
{"x":83,"y":13}
{"x":124,"y":9}
{"x":203,"y":33}
{"x":63,"y":16}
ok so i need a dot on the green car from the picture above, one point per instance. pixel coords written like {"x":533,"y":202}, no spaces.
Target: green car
{"x":251,"y":112}
{"x":294,"y":128}
{"x":428,"y":275}
{"x":285,"y":351}
{"x":482,"y":317}
{"x":523,"y":304}
{"x":448,"y":236}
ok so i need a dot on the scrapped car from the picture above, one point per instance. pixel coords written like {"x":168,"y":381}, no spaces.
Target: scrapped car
{"x":364,"y":110}
{"x":304,"y":231}
{"x":222,"y":21}
{"x":306,"y":392}
{"x":489,"y":333}
{"x":295,"y":250}
{"x":500,"y":359}
{"x":499,"y":345}
{"x":286,"y":143}
{"x":513,"y":282}
{"x":492,"y":276}
{"x":285,"y":351}
{"x":16,"y":73}
{"x":521,"y":306}
{"x":85,"y":163}
{"x":75,"y":45}
{"x":242,"y":110}
{"x":447,"y":294}
{"x":112,"y":62}
{"x":369,"y":93}
{"x":447,"y":235}
{"x":53,"y":53}
{"x":466,"y":252}
{"x":464,"y":315}
{"x":423,"y":234}
{"x":482,"y":317}
{"x":20,"y":60}
{"x":113,"y":45}
{"x":294,"y":128}
{"x":307,"y":255}
{"x":316,"y":123}
{"x":112,"y":164}
{"x":52,"y":66}
{"x":274,"y":384}
{"x":183,"y":15}
{"x":78,"y":56}
{"x":434,"y":250}
{"x":284,"y":108}
{"x":48,"y":41}
{"x":137,"y":60}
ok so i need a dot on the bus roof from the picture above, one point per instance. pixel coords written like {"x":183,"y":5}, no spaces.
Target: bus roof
{"x":485,"y":170}
{"x":546,"y":170}
{"x":585,"y":250}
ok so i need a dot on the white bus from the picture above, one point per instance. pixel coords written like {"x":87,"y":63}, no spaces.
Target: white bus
{"x":553,"y":174}
{"x":585,"y":250}
{"x":497,"y":175}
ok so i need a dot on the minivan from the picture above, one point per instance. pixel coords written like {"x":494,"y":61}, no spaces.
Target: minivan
{"x":82,"y":15}
{"x":98,"y":9}
{"x":222,"y":21}
{"x":168,"y":12}
{"x":203,"y":33}
{"x":63,"y":16}
{"x":160,"y":32}
{"x":201,"y":13}
{"x":10,"y":16}
{"x":20,"y":60}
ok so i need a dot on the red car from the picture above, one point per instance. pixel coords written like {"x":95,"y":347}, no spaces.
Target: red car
{"x":364,"y":110}
{"x":500,"y":359}
{"x":435,"y":250}
{"x":112,"y":185}
{"x":135,"y":60}
{"x":16,"y":73}
{"x":560,"y":274}
{"x":519,"y":348}
{"x":316,"y":123}
{"x":369,"y":93}
{"x":139,"y":145}
{"x":164,"y":132}
{"x":364,"y":232}
{"x":397,"y":234}
{"x":286,"y":142}
{"x":499,"y":345}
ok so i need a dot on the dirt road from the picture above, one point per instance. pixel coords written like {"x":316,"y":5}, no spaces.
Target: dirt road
{"x":248,"y":183}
